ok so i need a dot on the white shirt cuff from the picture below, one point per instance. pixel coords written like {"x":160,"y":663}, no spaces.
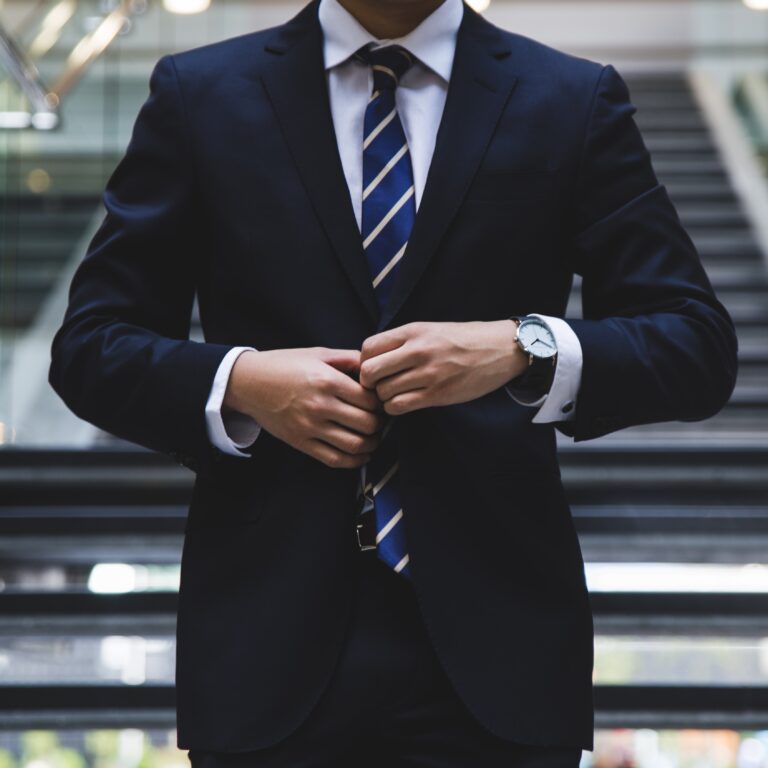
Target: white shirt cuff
{"x":559,"y":404}
{"x":234,"y":430}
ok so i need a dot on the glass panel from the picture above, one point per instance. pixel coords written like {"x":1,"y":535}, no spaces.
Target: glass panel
{"x":61,"y":658}
{"x":680,"y":660}
{"x":97,"y":649}
{"x":128,"y":748}
{"x":105,"y":578}
{"x":678,"y":749}
{"x":676,"y":577}
{"x":156,"y":748}
{"x":159,"y":570}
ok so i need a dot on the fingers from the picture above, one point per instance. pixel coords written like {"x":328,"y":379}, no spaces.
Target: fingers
{"x":387,"y":340}
{"x":347,"y":388}
{"x":349,"y":391}
{"x":333,"y":456}
{"x":387,"y":364}
{"x":348,"y":441}
{"x":357,"y":419}
{"x":407,"y":402}
{"x":345,"y":360}
{"x":412,"y":379}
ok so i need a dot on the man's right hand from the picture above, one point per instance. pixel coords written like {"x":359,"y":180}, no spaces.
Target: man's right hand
{"x":307,"y":398}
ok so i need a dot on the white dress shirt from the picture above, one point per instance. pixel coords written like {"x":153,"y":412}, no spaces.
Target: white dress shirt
{"x":420,"y":98}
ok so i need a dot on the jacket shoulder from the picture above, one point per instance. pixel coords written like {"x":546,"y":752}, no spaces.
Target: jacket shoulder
{"x":224,"y":56}
{"x":248,"y":52}
{"x":556,"y":63}
{"x":542,"y":62}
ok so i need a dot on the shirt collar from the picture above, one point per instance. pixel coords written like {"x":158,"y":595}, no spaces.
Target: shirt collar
{"x":433,"y":42}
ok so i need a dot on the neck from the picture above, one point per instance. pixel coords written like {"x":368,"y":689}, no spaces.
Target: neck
{"x":395,"y":18}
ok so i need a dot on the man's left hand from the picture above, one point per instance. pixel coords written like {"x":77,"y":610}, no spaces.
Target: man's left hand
{"x":424,"y":364}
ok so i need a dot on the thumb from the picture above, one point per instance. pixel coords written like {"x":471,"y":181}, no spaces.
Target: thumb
{"x":343,"y":359}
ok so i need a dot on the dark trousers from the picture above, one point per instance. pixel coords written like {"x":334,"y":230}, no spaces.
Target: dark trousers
{"x":389,"y":702}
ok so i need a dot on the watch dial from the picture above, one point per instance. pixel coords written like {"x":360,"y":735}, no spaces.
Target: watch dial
{"x":537,"y":339}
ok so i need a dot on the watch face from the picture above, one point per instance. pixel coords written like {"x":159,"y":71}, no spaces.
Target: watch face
{"x":537,"y":339}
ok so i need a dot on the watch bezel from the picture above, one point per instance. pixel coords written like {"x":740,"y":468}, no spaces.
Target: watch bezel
{"x":525,"y":321}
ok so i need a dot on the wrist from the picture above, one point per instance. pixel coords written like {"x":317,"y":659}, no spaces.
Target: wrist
{"x":240,"y":381}
{"x":515,"y":359}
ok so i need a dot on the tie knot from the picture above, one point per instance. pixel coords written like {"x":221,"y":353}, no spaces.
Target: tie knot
{"x":389,"y":64}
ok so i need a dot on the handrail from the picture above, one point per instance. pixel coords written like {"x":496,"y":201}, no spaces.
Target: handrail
{"x":93,"y":45}
{"x":44,"y":105}
{"x":680,"y":605}
{"x":752,"y":93}
{"x":736,"y":151}
{"x":44,"y":102}
{"x":147,"y":705}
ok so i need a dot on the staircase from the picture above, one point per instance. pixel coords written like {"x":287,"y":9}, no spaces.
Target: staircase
{"x":677,"y":493}
{"x":46,"y":206}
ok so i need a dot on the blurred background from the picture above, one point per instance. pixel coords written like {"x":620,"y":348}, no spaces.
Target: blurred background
{"x":673,"y":518}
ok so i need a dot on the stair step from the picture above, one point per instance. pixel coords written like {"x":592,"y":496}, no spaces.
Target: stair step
{"x":724,"y":253}
{"x":18,"y":204}
{"x":669,"y":173}
{"x":658,"y":100}
{"x":692,"y":180}
{"x":666,"y":84}
{"x":687,"y":192}
{"x":687,"y":142}
{"x":729,"y":427}
{"x":734,"y":243}
{"x":43,"y":250}
{"x":134,"y":476}
{"x":18,"y":311}
{"x":64,"y":221}
{"x":695,"y":164}
{"x":664,"y":121}
{"x":97,"y":519}
{"x":712,"y":215}
{"x":751,"y":395}
{"x":31,"y":279}
{"x":753,"y":345}
{"x":743,"y":277}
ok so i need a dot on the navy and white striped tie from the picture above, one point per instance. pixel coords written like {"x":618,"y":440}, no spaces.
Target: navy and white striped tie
{"x":389,"y":210}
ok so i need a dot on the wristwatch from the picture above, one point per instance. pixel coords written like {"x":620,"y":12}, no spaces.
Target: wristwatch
{"x":536,"y":339}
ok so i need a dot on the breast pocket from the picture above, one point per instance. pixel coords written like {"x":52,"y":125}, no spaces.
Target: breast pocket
{"x":501,"y":186}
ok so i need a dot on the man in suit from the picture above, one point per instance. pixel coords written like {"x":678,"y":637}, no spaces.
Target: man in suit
{"x":381,"y":207}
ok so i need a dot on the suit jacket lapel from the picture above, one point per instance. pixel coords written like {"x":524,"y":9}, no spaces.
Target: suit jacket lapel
{"x":296,"y":85}
{"x":479,"y":88}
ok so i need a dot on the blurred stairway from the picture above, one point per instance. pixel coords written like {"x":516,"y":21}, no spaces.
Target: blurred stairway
{"x":46,"y":205}
{"x":676,"y":493}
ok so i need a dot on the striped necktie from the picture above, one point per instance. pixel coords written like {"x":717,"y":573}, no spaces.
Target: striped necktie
{"x":389,"y":210}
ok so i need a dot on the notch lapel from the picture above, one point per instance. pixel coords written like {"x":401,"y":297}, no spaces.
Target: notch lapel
{"x":479,"y":88}
{"x":297,"y":88}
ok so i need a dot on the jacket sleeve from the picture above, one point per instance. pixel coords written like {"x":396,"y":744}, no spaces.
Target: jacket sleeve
{"x":657,"y":344}
{"x":122,"y":359}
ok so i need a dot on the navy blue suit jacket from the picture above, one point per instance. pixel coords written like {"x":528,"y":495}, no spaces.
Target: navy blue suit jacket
{"x":232,"y":186}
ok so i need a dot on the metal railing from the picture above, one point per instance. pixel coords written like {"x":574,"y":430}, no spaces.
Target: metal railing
{"x":38,"y":105}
